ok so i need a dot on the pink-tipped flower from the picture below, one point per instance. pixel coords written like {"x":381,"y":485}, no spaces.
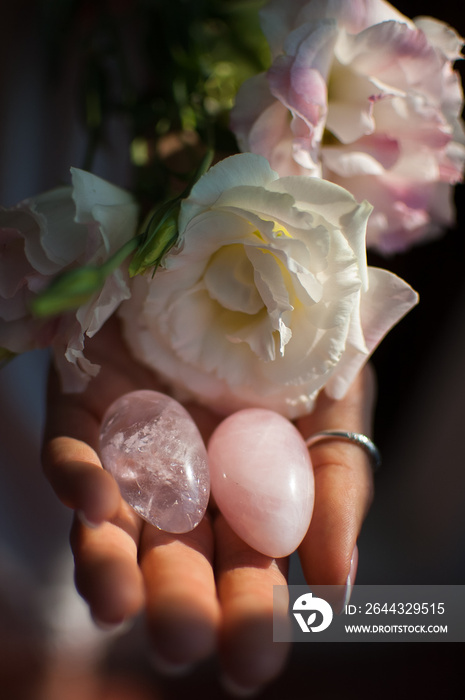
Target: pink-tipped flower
{"x":360,"y":95}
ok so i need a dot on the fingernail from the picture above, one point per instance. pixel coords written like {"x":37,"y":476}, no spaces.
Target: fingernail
{"x":351,"y":577}
{"x":168,"y":668}
{"x":236,"y":690}
{"x":344,"y":593}
{"x":85,"y":521}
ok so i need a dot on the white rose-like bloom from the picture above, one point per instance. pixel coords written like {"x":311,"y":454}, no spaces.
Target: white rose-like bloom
{"x":51,"y":233}
{"x":267,"y":297}
{"x":360,"y":95}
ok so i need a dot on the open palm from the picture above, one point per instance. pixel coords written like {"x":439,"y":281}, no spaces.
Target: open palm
{"x":206,"y":590}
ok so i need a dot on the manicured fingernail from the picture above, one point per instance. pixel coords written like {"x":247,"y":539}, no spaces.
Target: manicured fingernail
{"x":237,"y":691}
{"x":343,"y":597}
{"x":168,"y":668}
{"x":351,"y":577}
{"x":85,"y":521}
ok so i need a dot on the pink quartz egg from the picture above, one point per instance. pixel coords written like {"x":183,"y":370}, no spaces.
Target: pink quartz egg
{"x":262,"y":480}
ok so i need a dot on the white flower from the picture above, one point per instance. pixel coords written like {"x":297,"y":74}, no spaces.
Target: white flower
{"x":364,"y":97}
{"x":267,"y":297}
{"x":55,"y":232}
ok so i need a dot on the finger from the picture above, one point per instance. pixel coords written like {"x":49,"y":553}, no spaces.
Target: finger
{"x":182,"y":608}
{"x":106,"y":569}
{"x":245,"y":580}
{"x":343,"y":487}
{"x":69,"y":455}
{"x":73,"y":425}
{"x":75,"y":473}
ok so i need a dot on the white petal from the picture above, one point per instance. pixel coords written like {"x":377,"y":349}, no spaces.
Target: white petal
{"x":89,"y":190}
{"x":74,"y":369}
{"x":93,"y":315}
{"x":63,"y":240}
{"x":272,"y":288}
{"x":241,"y":169}
{"x":205,"y":234}
{"x":337,"y":205}
{"x":117,"y":225}
{"x":37,"y":229}
{"x":387,"y":300}
{"x":442,"y":36}
{"x":229,"y":280}
{"x":258,"y":334}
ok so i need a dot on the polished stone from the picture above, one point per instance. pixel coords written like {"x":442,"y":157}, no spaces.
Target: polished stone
{"x":262,"y":480}
{"x":152,"y":447}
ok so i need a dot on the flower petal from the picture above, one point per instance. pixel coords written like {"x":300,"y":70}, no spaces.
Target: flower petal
{"x":388,"y":299}
{"x":228,"y":173}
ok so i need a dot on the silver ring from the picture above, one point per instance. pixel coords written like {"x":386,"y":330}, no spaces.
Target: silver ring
{"x":356,"y":438}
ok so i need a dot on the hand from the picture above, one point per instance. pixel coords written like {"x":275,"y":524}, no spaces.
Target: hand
{"x":206,"y":589}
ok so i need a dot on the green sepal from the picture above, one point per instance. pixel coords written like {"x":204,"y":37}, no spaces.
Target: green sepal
{"x":160,"y":236}
{"x":162,"y":233}
{"x":74,"y":288}
{"x":68,"y":291}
